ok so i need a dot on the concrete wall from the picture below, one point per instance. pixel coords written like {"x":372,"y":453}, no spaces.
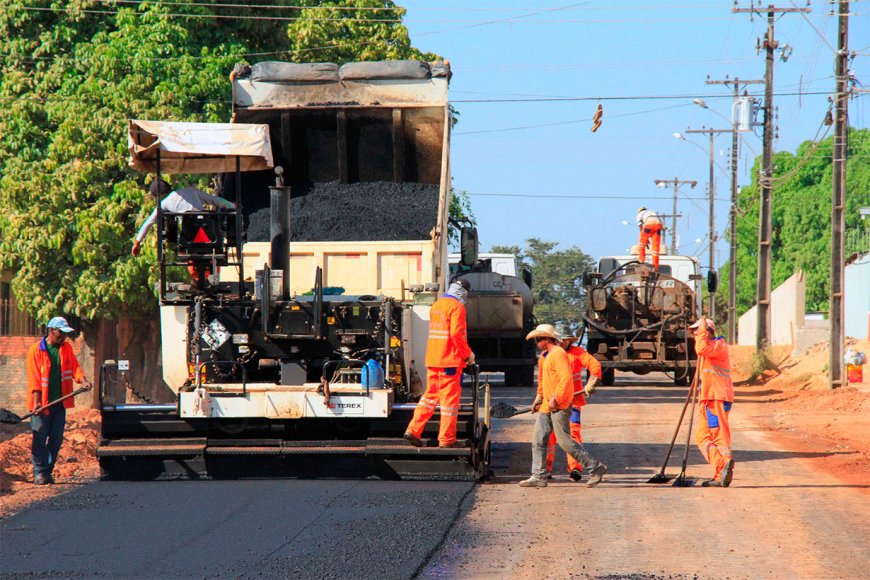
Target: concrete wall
{"x":857,"y":298}
{"x":787,"y":314}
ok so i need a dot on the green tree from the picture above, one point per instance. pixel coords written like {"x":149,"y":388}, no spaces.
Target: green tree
{"x":801,"y":216}
{"x":557,"y":279}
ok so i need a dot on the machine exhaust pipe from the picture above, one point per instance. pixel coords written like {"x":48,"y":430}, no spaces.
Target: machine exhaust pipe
{"x":279,"y":231}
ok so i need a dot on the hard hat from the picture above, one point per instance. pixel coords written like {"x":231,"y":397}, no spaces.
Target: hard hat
{"x":640,"y":209}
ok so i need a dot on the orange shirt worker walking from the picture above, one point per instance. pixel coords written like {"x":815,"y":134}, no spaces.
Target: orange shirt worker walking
{"x":580,"y":359}
{"x":554,"y":406}
{"x":715,"y":399}
{"x":447,"y":353}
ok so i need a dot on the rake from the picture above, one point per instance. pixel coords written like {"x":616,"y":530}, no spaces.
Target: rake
{"x":661,"y":477}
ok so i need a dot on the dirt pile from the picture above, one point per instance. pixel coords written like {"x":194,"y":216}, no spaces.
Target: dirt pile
{"x":77,"y":463}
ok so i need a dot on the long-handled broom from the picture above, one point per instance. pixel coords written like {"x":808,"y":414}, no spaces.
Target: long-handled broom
{"x":661,"y":477}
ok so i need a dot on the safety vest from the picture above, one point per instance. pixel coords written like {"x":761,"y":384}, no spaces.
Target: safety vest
{"x":555,"y":379}
{"x":715,"y":368}
{"x":448,"y":335}
{"x":39,"y":367}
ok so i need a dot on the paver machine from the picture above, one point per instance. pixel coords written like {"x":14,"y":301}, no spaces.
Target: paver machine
{"x":299,"y":355}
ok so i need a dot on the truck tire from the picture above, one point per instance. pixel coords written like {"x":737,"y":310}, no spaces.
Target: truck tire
{"x":682,"y":379}
{"x":607,"y":377}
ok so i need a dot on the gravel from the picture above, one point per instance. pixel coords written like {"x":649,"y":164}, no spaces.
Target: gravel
{"x":365,"y":211}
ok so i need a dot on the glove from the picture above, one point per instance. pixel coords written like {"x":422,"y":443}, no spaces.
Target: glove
{"x":470,"y":360}
{"x":537,"y":404}
{"x":590,"y":387}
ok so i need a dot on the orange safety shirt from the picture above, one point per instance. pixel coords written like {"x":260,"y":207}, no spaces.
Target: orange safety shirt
{"x":448,"y":336}
{"x":555,"y":379}
{"x":38,"y":366}
{"x":580,"y":359}
{"x":715,"y":368}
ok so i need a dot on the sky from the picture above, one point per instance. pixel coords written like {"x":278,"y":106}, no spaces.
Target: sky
{"x":529,"y":74}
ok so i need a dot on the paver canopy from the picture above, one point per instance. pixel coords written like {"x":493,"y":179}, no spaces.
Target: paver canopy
{"x":199,"y":147}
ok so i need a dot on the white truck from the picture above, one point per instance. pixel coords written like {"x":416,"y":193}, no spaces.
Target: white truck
{"x":500,"y":314}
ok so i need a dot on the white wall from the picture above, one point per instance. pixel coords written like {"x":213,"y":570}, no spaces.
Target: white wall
{"x":857,"y":298}
{"x":787,"y":314}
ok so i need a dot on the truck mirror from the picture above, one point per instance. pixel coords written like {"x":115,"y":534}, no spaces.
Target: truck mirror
{"x":468,"y":246}
{"x":527,"y":277}
{"x":712,"y":281}
{"x":598,"y":298}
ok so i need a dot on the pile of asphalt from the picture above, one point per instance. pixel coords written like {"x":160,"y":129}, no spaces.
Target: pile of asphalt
{"x":364,"y":211}
{"x":502,"y":410}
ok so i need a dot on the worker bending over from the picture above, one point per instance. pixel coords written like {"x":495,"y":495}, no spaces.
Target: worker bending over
{"x":580,"y":359}
{"x":650,"y":231}
{"x":554,"y":406}
{"x":447,"y":353}
{"x":716,"y":397}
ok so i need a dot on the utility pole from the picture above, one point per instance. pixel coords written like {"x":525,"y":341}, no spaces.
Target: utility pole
{"x":711,"y":308}
{"x":765,"y":222}
{"x":732,"y":214}
{"x":838,"y":198}
{"x":675,"y":183}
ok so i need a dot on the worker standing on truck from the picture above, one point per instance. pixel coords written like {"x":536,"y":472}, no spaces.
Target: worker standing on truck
{"x":52,"y":367}
{"x":554,"y":403}
{"x":715,"y":400}
{"x":580,"y":359}
{"x":650,"y":231}
{"x":447,"y":353}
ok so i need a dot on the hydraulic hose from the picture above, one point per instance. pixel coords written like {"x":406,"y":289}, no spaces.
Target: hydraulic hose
{"x":648,"y":327}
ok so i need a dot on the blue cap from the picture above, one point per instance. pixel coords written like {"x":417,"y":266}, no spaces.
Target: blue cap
{"x":60,"y":323}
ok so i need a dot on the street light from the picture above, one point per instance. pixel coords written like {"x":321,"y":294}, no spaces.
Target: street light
{"x":675,"y":183}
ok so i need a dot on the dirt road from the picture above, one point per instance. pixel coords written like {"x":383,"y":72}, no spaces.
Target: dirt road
{"x":781,"y":518}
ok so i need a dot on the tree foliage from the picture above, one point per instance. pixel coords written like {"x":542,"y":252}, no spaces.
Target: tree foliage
{"x":74,"y":73}
{"x":801,"y":216}
{"x":557,"y":279}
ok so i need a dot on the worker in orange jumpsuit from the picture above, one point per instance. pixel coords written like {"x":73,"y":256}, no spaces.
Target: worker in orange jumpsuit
{"x":447,"y":353}
{"x":716,"y":395}
{"x":554,"y":405}
{"x":580,"y":359}
{"x":650,"y":231}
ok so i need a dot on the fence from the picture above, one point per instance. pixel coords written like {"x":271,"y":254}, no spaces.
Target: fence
{"x":14,"y":322}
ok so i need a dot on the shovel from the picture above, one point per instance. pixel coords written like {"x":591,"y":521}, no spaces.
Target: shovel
{"x":502,"y":410}
{"x":7,"y":416}
{"x":660,"y":477}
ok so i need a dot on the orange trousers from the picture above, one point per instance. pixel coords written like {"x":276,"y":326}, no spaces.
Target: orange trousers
{"x":714,"y":435}
{"x":575,"y":435}
{"x":653,"y":233}
{"x":443,"y":386}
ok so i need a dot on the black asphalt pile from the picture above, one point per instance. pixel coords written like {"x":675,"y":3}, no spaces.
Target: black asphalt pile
{"x":339,"y":212}
{"x":502,"y":410}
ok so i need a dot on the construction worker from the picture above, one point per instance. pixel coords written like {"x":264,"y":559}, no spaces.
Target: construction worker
{"x":716,"y":395}
{"x":580,"y":359}
{"x":554,"y":405}
{"x":650,"y":231}
{"x":52,"y":367}
{"x":447,"y":353}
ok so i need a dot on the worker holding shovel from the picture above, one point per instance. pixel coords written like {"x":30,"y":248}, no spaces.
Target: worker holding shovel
{"x":51,"y":369}
{"x":554,"y":406}
{"x":716,"y":395}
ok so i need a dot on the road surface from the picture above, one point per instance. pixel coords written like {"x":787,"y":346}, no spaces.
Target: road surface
{"x":780,"y":519}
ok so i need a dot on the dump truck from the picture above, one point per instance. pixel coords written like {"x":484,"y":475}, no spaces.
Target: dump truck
{"x":500,"y":315}
{"x":637,"y":318}
{"x":300,"y":349}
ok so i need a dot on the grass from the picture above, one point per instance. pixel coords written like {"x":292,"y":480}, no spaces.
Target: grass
{"x":762,"y":361}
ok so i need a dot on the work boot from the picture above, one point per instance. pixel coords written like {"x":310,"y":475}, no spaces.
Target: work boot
{"x":413,"y":440}
{"x":727,"y":473}
{"x":576,"y":475}
{"x":596,"y":475}
{"x":712,"y":483}
{"x":50,"y":477}
{"x":549,"y":475}
{"x":41,"y":479}
{"x":453,"y":445}
{"x":533,"y":482}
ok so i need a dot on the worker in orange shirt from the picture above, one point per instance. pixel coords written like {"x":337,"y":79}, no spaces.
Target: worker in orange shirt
{"x":447,"y":353}
{"x":716,"y":395}
{"x":580,"y":359}
{"x":650,"y":231}
{"x":554,"y":404}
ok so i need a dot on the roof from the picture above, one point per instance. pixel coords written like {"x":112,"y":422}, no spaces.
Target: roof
{"x":198,"y":147}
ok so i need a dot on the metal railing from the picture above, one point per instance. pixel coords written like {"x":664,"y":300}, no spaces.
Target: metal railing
{"x":14,"y":322}
{"x":857,"y":241}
